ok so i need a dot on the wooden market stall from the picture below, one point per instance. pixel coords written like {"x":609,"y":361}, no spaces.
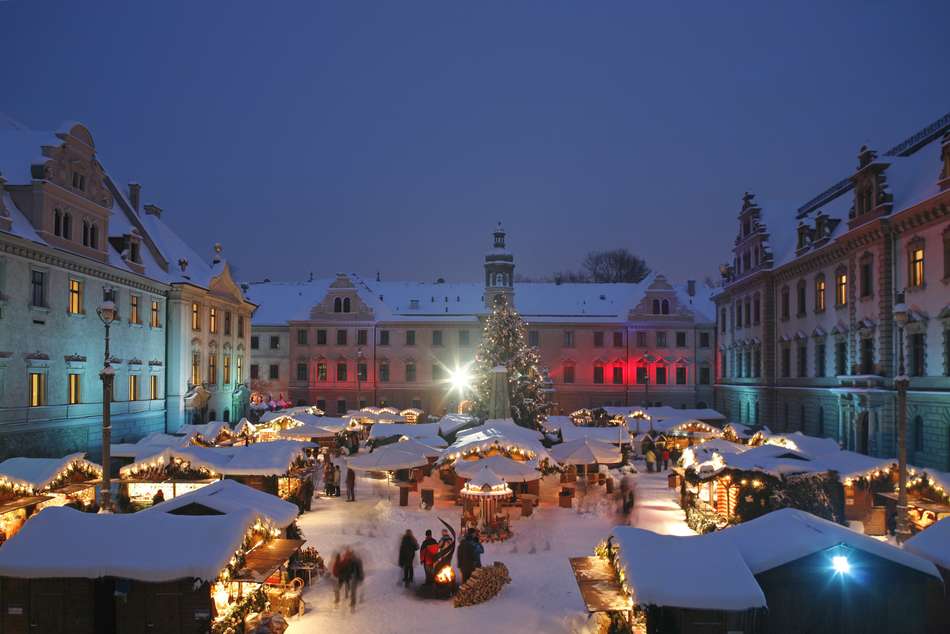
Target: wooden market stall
{"x":146,"y":572}
{"x":933,"y":544}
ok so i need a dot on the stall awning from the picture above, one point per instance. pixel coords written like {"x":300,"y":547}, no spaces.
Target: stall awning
{"x":22,"y":503}
{"x":598,"y":585}
{"x":260,"y":563}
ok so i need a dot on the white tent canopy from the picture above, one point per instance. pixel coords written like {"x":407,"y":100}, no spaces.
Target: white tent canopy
{"x":420,"y":447}
{"x":486,"y":483}
{"x":387,"y":458}
{"x":507,"y":469}
{"x":586,"y":451}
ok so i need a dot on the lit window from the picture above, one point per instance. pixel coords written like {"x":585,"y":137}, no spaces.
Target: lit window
{"x":841,"y":289}
{"x":227,"y":323}
{"x":133,"y":387}
{"x":212,"y":320}
{"x":195,"y":317}
{"x":212,"y":368}
{"x":134,"y":309}
{"x":820,"y":294}
{"x":74,"y":393}
{"x":917,"y":267}
{"x":153,"y":387}
{"x":75,"y":297}
{"x":227,"y":369}
{"x":240,"y":369}
{"x":196,"y":368}
{"x":155,"y":321}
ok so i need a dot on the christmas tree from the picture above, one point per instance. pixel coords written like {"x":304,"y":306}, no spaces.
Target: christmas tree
{"x":504,"y":343}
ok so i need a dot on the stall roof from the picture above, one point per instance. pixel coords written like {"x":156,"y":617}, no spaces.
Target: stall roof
{"x":387,"y":458}
{"x":654,"y":566}
{"x":228,"y":496}
{"x":63,"y":542}
{"x":427,"y":433}
{"x":586,"y":451}
{"x":507,"y":469}
{"x":38,"y":473}
{"x":617,"y":434}
{"x":769,"y":459}
{"x":703,"y":452}
{"x":209,"y":430}
{"x":148,"y":445}
{"x":502,"y":432}
{"x":811,"y":446}
{"x":849,"y":464}
{"x":932,"y":543}
{"x":263,"y":458}
{"x":452,"y":423}
{"x":263,"y":561}
{"x":308,"y":431}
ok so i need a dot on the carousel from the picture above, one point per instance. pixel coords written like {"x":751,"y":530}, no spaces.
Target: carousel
{"x":481,"y":496}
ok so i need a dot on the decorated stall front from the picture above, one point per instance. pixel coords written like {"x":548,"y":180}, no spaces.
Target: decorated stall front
{"x":202,"y":573}
{"x":212,"y":434}
{"x":28,"y":485}
{"x":481,"y":496}
{"x":928,"y":497}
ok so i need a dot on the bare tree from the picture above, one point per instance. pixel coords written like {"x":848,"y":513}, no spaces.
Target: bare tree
{"x":615,"y":265}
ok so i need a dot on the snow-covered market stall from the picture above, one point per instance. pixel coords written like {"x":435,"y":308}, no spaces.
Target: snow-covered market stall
{"x":87,"y":573}
{"x":28,"y":485}
{"x":481,"y":495}
{"x":781,"y":573}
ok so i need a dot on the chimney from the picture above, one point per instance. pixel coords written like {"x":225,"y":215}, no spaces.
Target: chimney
{"x":153,"y":210}
{"x":135,"y":195}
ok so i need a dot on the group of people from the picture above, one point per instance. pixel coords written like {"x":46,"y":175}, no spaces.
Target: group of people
{"x":469,"y":552}
{"x":333,"y":477}
{"x":347,"y":569}
{"x":658,"y":457}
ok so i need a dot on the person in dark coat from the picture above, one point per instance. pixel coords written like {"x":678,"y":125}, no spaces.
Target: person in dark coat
{"x":350,"y":485}
{"x":427,"y":551}
{"x":470,"y":554}
{"x":336,"y":481}
{"x":407,"y":556}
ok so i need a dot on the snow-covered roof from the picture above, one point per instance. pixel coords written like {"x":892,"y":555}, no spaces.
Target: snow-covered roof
{"x":228,"y":496}
{"x":209,"y":431}
{"x":569,"y":431}
{"x":263,"y":458}
{"x":452,"y":423}
{"x":850,"y":464}
{"x":507,"y":469}
{"x":38,"y":473}
{"x":769,"y":459}
{"x":703,"y":452}
{"x":427,"y":433}
{"x":811,"y":446}
{"x":388,"y":458}
{"x":932,"y":543}
{"x":148,"y":445}
{"x":586,"y":451}
{"x":61,"y":542}
{"x":420,"y":446}
{"x":504,"y":433}
{"x":685,"y":572}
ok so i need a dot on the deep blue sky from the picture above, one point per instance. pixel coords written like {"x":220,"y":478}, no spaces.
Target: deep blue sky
{"x":359,"y":136}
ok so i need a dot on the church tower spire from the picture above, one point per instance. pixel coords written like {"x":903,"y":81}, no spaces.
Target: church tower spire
{"x":499,"y":271}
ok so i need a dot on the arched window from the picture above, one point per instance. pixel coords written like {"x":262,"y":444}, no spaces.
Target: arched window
{"x":665,"y":307}
{"x":94,"y":236}
{"x":67,"y":226}
{"x":918,"y":433}
{"x":337,"y":305}
{"x":85,"y":233}
{"x":656,"y":307}
{"x":346,"y":304}
{"x":227,"y":416}
{"x":57,"y":222}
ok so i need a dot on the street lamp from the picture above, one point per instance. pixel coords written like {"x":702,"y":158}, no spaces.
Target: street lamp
{"x":360,"y":357}
{"x":901,"y":383}
{"x":108,"y":314}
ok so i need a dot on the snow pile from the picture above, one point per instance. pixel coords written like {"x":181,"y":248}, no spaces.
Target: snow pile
{"x":37,"y":473}
{"x":228,"y":496}
{"x":655,"y":565}
{"x":61,"y":542}
{"x":932,"y":543}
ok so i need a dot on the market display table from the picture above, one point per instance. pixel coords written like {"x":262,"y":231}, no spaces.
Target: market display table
{"x":598,"y":585}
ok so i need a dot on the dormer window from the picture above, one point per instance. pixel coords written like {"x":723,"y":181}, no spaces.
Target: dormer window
{"x":346,"y":304}
{"x":134,"y":252}
{"x":665,"y":307}
{"x":79,"y":181}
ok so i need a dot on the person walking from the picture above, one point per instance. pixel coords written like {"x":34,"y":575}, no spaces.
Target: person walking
{"x":350,"y":485}
{"x":470,"y":554}
{"x":336,"y":480}
{"x":407,"y":555}
{"x":666,"y":459}
{"x":427,"y":551}
{"x":651,"y":460}
{"x":340,"y":569}
{"x":356,"y":577}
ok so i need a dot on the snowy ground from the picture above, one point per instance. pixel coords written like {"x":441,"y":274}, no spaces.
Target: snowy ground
{"x":542,"y":597}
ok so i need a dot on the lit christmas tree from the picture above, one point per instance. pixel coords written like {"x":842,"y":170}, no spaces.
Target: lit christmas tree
{"x":504,"y":343}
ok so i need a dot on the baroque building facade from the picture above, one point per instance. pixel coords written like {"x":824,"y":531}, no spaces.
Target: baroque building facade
{"x":353,"y":342}
{"x":807,"y":336}
{"x":69,"y":234}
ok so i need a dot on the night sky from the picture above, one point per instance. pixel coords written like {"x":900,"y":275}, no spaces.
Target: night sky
{"x":392,"y":136}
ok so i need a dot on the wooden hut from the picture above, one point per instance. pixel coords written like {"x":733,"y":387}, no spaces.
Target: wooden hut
{"x":85,"y":573}
{"x":933,"y":544}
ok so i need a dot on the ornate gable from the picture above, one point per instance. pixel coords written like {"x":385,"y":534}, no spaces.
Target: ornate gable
{"x":659,"y":300}
{"x":74,"y":167}
{"x":342,"y":302}
{"x":223,"y":285}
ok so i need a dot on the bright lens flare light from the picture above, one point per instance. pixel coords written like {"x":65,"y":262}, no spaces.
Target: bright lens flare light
{"x":841,"y":565}
{"x":460,"y":379}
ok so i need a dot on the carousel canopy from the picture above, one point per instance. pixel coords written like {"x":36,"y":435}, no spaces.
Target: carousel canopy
{"x":61,"y":542}
{"x":507,"y":469}
{"x":388,"y":458}
{"x":586,"y":451}
{"x":38,"y":473}
{"x":228,"y":496}
{"x":486,"y":483}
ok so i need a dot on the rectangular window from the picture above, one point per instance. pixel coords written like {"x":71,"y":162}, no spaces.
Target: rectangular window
{"x":641,"y":375}
{"x":722,"y":320}
{"x":748,"y":313}
{"x":227,"y":369}
{"x":737,"y":311}
{"x":916,"y":267}
{"x":275,"y":342}
{"x":820,"y":295}
{"x":704,"y":340}
{"x":321,"y":337}
{"x":680,"y":339}
{"x":240,"y":332}
{"x":153,"y":387}
{"x":384,"y":372}
{"x":361,"y":372}
{"x":384,"y":337}
{"x":37,"y":389}
{"x":155,"y":320}
{"x":212,"y":368}
{"x":618,"y":375}
{"x":38,"y":288}
{"x":867,"y":279}
{"x":134,"y":310}
{"x":75,"y":396}
{"x":75,"y":297}
{"x":464,"y":341}
{"x":786,"y":362}
{"x":756,"y":310}
{"x":918,"y":352}
{"x":341,"y":337}
{"x":785,"y":304}
{"x":133,"y":387}
{"x":341,"y":371}
{"x":641,"y":339}
{"x":302,"y":337}
{"x":661,"y":339}
{"x":196,"y":368}
{"x":437,"y":372}
{"x":661,"y":375}
{"x":436,"y":337}
{"x":227,"y":323}
{"x":301,"y":371}
{"x":598,"y":374}
{"x":410,"y":372}
{"x":212,"y":320}
{"x":240,"y":369}
{"x":841,"y":289}
{"x":569,"y":374}
{"x":361,"y":337}
{"x":255,"y":371}
{"x":802,"y":361}
{"x":321,"y":371}
{"x":598,"y":339}
{"x":195,"y":317}
{"x":704,"y":375}
{"x":867,"y":355}
{"x":841,"y":358}
{"x":568,"y":338}
{"x":341,"y":406}
{"x":756,"y":362}
{"x":274,"y":371}
{"x":534,"y":338}
{"x":802,"y":308}
{"x":410,"y":337}
{"x":820,"y":362}
{"x":618,"y":340}
{"x":681,"y":376}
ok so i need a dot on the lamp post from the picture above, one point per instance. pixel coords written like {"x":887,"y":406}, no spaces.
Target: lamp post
{"x":359,"y":362}
{"x":107,"y":313}
{"x":901,"y":383}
